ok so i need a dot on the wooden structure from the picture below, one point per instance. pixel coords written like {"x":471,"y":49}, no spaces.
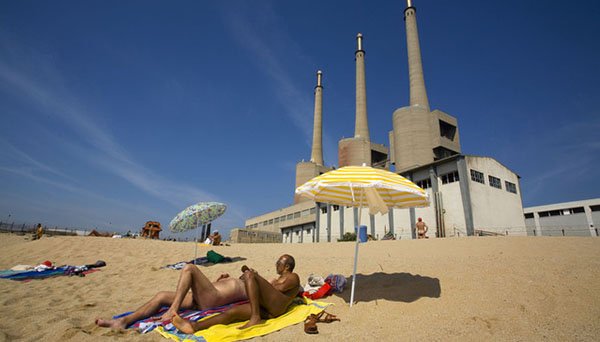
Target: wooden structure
{"x":151,"y":230}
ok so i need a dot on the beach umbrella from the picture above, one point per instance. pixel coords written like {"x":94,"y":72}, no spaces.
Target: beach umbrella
{"x":194,"y":216}
{"x":364,"y":187}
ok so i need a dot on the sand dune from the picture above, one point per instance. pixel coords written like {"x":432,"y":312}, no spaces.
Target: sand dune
{"x":506,"y":288}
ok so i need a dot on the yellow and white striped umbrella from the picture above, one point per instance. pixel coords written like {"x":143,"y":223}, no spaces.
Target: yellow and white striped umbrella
{"x":364,"y":186}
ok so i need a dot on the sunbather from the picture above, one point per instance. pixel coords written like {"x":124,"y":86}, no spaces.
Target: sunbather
{"x":267,"y":299}
{"x":204,"y":295}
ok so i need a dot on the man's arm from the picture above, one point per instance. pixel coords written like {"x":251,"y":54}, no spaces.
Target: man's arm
{"x":287,"y":283}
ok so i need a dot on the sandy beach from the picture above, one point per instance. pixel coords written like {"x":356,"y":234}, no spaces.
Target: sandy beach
{"x":503,"y":288}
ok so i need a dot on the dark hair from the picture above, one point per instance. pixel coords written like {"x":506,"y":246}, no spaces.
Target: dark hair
{"x":289,"y":260}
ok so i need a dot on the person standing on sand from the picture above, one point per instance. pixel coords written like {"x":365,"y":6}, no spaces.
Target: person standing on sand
{"x":204,"y":295}
{"x":39,"y":231}
{"x":421,"y":229}
{"x":267,"y":299}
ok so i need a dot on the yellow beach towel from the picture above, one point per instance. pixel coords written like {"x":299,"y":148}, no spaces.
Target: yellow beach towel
{"x":230,"y":332}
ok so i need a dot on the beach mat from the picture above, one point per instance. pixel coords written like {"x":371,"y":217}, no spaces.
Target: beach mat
{"x":202,"y":261}
{"x":149,"y":324}
{"x":230,"y":332}
{"x":26,"y":276}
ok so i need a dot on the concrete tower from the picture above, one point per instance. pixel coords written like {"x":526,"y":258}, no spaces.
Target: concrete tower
{"x":316,"y":155}
{"x":420,"y":136}
{"x":359,"y":150}
{"x":361,"y":127}
{"x":308,"y":170}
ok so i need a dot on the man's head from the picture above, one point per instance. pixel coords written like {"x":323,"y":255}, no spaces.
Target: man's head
{"x":419,"y":219}
{"x":285,"y":262}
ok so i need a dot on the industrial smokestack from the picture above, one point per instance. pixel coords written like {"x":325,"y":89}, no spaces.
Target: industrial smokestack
{"x":361,"y":129}
{"x":418,"y":94}
{"x":316,"y":155}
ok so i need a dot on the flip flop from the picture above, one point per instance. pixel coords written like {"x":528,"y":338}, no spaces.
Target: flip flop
{"x":310,"y":325}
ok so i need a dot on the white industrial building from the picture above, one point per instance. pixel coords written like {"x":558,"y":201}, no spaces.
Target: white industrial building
{"x":578,"y":218}
{"x":470,"y":195}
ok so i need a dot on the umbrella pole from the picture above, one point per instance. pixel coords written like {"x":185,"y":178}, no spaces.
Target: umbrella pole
{"x":354,"y":272}
{"x":196,"y":244}
{"x":356,"y":250}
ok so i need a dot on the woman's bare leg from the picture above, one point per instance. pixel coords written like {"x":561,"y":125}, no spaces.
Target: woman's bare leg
{"x":150,"y":308}
{"x":202,"y":290}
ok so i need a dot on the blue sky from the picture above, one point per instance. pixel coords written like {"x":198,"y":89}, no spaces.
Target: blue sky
{"x":118,"y":112}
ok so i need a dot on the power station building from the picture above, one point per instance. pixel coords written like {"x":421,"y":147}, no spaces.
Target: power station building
{"x":469,"y":194}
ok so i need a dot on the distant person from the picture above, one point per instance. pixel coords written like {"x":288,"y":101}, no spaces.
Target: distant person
{"x":39,"y":231}
{"x":94,"y":232}
{"x":421,"y":229}
{"x":268,"y":299}
{"x":215,"y":238}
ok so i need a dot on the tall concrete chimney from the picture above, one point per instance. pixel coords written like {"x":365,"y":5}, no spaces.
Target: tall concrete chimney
{"x":316,"y":155}
{"x":418,"y":94}
{"x":420,"y":136}
{"x":361,"y":128}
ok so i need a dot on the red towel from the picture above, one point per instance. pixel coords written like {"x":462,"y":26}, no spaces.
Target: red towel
{"x":321,"y":292}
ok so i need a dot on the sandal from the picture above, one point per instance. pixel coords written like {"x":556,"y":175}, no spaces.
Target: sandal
{"x":310,"y":325}
{"x":328,"y":317}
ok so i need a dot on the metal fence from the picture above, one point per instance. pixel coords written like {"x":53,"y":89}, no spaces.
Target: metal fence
{"x":27,"y":228}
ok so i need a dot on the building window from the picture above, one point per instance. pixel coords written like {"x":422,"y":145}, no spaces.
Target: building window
{"x":573,"y":211}
{"x":495,"y":182}
{"x":305,"y":212}
{"x":529,"y":215}
{"x":276,"y":220}
{"x":450,"y":177}
{"x":424,"y":184}
{"x":312,"y":210}
{"x":271,"y":221}
{"x":323,"y":210}
{"x":308,"y":231}
{"x":296,"y":214}
{"x":336,"y":207}
{"x":282,"y":218}
{"x":265,"y":223}
{"x":595,"y":207}
{"x":510,"y":187}
{"x":290,"y":216}
{"x":562,"y":212}
{"x":477,"y":176}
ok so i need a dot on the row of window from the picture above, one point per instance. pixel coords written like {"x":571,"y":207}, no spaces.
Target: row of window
{"x":283,"y":218}
{"x":446,"y":178}
{"x":494,"y":182}
{"x":562,"y":212}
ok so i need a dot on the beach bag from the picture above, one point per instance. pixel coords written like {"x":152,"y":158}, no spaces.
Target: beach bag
{"x":214,"y":257}
{"x":336,"y":281}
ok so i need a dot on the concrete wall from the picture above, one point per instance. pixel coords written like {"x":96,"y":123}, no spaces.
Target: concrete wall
{"x":495,"y":210}
{"x":567,"y":225}
{"x":530,"y":226}
{"x":254,"y":236}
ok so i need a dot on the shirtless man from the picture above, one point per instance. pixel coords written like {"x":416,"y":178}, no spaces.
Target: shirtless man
{"x":267,"y":299}
{"x":421,"y":229}
{"x":205,"y":294}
